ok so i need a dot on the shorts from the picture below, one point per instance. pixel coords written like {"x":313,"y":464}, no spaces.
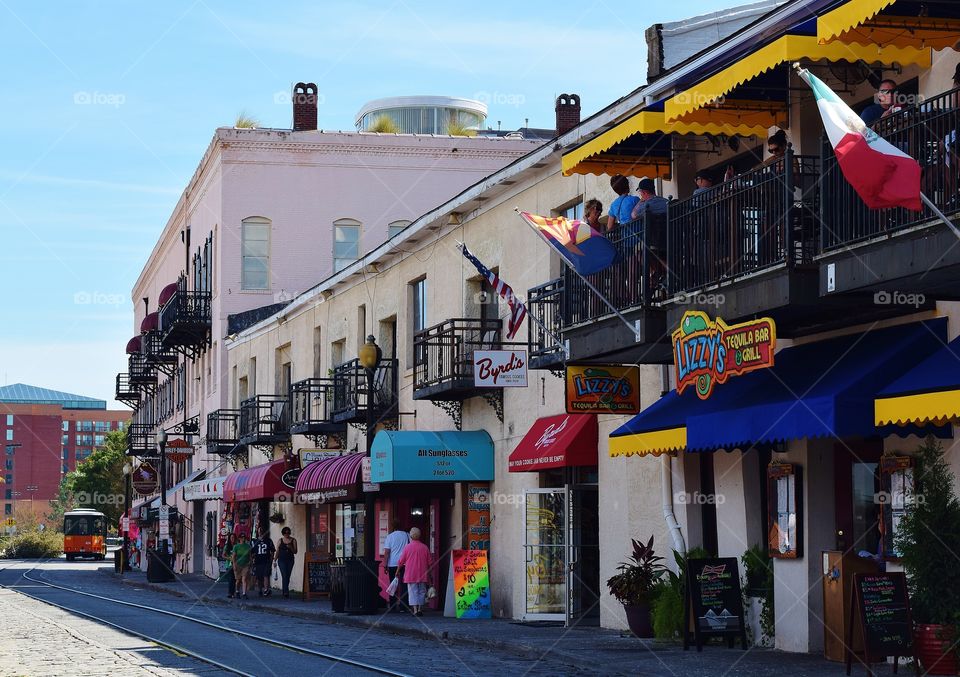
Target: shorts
{"x":416,"y":594}
{"x":240,"y":573}
{"x":262,"y":569}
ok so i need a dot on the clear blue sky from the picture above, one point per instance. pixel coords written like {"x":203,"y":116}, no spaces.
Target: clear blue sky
{"x":108,"y":107}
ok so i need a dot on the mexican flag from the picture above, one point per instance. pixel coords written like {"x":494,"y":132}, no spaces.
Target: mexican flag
{"x":883,"y":175}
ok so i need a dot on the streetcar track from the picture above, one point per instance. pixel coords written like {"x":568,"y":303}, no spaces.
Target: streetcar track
{"x":174,"y":647}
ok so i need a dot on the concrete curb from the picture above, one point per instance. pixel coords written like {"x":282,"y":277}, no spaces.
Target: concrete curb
{"x":361,"y":622}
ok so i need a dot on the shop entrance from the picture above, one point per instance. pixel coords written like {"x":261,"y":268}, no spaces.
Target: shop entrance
{"x":562,"y":554}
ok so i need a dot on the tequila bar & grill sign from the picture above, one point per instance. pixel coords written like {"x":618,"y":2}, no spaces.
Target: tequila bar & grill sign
{"x":598,"y":388}
{"x":707,"y":352}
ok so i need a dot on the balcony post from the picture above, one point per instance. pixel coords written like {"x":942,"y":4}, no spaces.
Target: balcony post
{"x":789,"y":182}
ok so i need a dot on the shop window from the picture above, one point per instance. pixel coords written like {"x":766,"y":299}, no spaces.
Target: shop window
{"x":785,"y":511}
{"x":896,"y":493}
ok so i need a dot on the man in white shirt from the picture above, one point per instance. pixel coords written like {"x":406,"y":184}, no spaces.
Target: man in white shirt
{"x":393,"y":545}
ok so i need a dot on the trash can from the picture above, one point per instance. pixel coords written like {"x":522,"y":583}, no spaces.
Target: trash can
{"x":118,"y":563}
{"x":362,"y":587}
{"x":338,"y":593}
{"x":158,"y":567}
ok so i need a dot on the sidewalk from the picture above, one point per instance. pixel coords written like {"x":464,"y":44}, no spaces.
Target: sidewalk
{"x":589,"y":648}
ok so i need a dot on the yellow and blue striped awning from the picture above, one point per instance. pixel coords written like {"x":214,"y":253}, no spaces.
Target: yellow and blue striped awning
{"x":928,"y":393}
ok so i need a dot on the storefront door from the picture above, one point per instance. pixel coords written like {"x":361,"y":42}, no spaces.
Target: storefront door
{"x":545,"y":545}
{"x":583,"y":555}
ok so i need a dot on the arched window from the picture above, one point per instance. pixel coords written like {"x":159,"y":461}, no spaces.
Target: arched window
{"x":395,"y":227}
{"x":346,"y":243}
{"x":255,"y":253}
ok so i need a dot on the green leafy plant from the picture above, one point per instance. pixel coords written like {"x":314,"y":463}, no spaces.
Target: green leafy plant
{"x":759,"y":573}
{"x":384,"y":125}
{"x":669,"y":596}
{"x":245,"y":121}
{"x":33,"y":545}
{"x":928,"y":539}
{"x":637,"y":578}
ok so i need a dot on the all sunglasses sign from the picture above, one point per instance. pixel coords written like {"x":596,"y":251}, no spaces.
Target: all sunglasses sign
{"x":707,"y":352}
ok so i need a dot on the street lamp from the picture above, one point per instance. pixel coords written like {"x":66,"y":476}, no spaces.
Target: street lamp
{"x":125,"y":557}
{"x":161,"y":439}
{"x":369,"y":356}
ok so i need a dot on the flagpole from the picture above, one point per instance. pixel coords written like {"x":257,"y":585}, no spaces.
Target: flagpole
{"x":634,"y":328}
{"x":927,"y":201}
{"x":557,"y":339}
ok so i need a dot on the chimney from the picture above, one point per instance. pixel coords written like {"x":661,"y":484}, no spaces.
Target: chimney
{"x":305,"y":107}
{"x":568,"y":112}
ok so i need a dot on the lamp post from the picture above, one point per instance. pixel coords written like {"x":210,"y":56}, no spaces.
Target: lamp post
{"x":369,"y":356}
{"x":125,"y":549}
{"x":162,"y":445}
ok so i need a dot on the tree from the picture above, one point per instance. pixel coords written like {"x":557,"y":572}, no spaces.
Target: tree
{"x":97,"y":482}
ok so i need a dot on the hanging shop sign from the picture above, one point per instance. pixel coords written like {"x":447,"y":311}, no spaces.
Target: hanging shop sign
{"x":471,"y":581}
{"x":707,"y":352}
{"x":603,"y":388}
{"x":308,"y":456}
{"x":144,"y":479}
{"x":478,"y":516}
{"x":500,"y":368}
{"x":289,"y":478}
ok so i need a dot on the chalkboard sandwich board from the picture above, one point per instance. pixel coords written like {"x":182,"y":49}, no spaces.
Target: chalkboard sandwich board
{"x":880,"y":613}
{"x":713,"y":605}
{"x":316,"y":575}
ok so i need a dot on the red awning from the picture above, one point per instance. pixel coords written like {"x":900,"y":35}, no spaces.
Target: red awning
{"x":557,"y":442}
{"x":150,"y":323}
{"x":167,"y":293}
{"x":133,"y":346}
{"x":262,"y":482}
{"x":331,"y":480}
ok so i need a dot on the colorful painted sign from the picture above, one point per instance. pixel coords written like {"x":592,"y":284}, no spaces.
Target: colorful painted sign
{"x":478,"y":516}
{"x":145,"y":479}
{"x":471,"y":583}
{"x":500,"y":368}
{"x":707,"y":352}
{"x":599,"y":388}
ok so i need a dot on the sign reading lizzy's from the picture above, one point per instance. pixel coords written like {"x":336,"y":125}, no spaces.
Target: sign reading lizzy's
{"x":707,"y":352}
{"x":597,"y":388}
{"x":500,"y":368}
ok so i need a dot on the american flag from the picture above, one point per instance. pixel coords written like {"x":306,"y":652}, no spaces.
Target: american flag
{"x":518,"y":311}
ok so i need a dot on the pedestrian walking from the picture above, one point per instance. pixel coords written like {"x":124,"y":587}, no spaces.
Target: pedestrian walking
{"x":263,"y":553}
{"x":414,"y":563}
{"x":227,"y":554}
{"x":284,"y":557}
{"x":393,"y":546}
{"x":241,"y":564}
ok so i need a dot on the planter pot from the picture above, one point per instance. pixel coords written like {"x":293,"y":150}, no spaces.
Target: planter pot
{"x":638,"y":618}
{"x":935,"y":650}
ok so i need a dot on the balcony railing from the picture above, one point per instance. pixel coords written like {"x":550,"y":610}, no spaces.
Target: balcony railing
{"x":311,"y":402}
{"x":544,"y":304}
{"x":265,"y":420}
{"x":223,"y":431}
{"x":140,"y":372}
{"x":443,"y":357}
{"x":350,"y":391}
{"x":759,"y":220}
{"x":185,"y":319}
{"x":140,"y":440}
{"x":928,"y":132}
{"x":127,"y":393}
{"x":153,"y":351}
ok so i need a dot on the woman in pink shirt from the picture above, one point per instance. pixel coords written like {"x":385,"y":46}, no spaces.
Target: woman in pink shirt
{"x":414,"y":563}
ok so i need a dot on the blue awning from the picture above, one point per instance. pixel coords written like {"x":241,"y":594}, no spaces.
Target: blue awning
{"x":819,"y":389}
{"x":426,"y":456}
{"x":928,"y":393}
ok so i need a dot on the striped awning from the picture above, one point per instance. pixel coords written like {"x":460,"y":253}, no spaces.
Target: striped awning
{"x":928,"y":393}
{"x":260,"y":483}
{"x":331,"y":480}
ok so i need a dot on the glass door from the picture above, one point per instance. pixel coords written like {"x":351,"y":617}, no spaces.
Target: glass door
{"x":583,"y":555}
{"x":545,"y":546}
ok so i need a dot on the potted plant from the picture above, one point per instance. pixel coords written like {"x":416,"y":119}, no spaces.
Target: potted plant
{"x":634,"y":586}
{"x":928,"y":540}
{"x":758,"y":593}
{"x":277,"y":517}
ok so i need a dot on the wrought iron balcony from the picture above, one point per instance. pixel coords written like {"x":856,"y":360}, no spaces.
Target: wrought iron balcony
{"x":443,"y":357}
{"x":350,"y":391}
{"x":185,"y":320}
{"x":156,"y":354}
{"x":141,"y":373}
{"x":140,"y":440}
{"x":311,"y":402}
{"x":265,"y":420}
{"x":223,"y":431}
{"x":126,"y":391}
{"x":544,"y":304}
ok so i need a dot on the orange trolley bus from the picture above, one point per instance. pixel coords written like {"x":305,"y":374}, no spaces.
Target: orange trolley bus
{"x":85,"y":534}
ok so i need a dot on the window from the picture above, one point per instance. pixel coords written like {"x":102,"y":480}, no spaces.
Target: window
{"x":9,"y":419}
{"x":66,"y":426}
{"x":252,"y":376}
{"x":99,"y":440}
{"x":346,"y":243}
{"x":396,"y":227}
{"x":8,"y":493}
{"x":120,"y":425}
{"x":574,"y":211}
{"x":9,"y":434}
{"x":9,"y":479}
{"x":336,"y":352}
{"x":255,"y":253}
{"x":317,"y":356}
{"x":361,"y":327}
{"x":418,"y":315}
{"x":9,"y":464}
{"x":64,"y":469}
{"x":9,"y":450}
{"x":7,"y":509}
{"x":66,"y":454}
{"x":88,"y":426}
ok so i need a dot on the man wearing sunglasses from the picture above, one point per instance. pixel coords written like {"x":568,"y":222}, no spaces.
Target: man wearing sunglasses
{"x":884,"y":104}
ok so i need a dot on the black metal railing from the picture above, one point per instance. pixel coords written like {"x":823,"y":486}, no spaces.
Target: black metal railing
{"x":265,"y":419}
{"x":350,"y":391}
{"x":185,"y":318}
{"x":764,"y":218}
{"x":928,"y":132}
{"x":223,"y":431}
{"x":126,"y":392}
{"x":544,"y":309}
{"x":140,"y":372}
{"x":154,"y":352}
{"x":443,"y":354}
{"x":311,"y":403}
{"x":140,"y":440}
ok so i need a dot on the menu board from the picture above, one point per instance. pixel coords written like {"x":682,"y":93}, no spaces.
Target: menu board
{"x":316,"y":575}
{"x":714,"y":606}
{"x":471,"y":583}
{"x":883,"y":607}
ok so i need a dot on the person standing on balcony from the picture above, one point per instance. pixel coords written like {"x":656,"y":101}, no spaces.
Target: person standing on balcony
{"x":622,"y":207}
{"x":592,"y":209}
{"x":651,"y":231}
{"x":884,"y":104}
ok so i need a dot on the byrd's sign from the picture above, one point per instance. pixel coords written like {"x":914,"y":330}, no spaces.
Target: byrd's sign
{"x":707,"y":352}
{"x":597,"y":388}
{"x":500,"y":368}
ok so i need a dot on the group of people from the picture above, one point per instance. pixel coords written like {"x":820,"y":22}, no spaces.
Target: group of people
{"x":407,"y":559}
{"x":249,"y":562}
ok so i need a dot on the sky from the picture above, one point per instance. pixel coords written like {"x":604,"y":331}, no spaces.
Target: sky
{"x":106,"y":109}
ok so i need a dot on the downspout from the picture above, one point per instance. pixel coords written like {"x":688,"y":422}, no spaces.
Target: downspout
{"x":666,"y":480}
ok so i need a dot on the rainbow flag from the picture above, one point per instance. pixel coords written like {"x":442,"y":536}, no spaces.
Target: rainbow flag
{"x":582,"y":247}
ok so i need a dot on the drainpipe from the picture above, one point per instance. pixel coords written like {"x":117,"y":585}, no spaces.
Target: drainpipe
{"x":666,"y":480}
